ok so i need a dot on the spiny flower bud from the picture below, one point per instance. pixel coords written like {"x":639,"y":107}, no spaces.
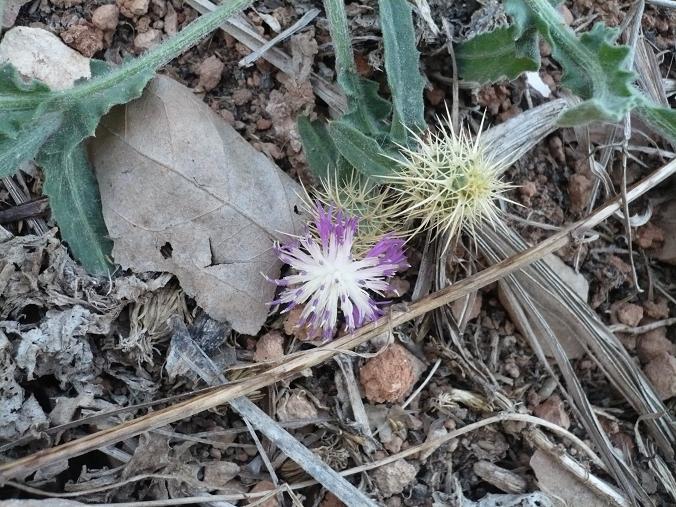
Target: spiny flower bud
{"x":362,"y":198}
{"x":448,"y":182}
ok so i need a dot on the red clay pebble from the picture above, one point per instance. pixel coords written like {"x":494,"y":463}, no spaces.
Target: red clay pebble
{"x":86,"y":39}
{"x":270,"y":346}
{"x":629,"y":314}
{"x":390,"y":375}
{"x":649,"y":236}
{"x":579,"y":188}
{"x":210,"y":72}
{"x":133,"y":8}
{"x":653,"y":343}
{"x":661,"y":371}
{"x":552,"y":410}
{"x":657,"y":309}
{"x":263,"y":124}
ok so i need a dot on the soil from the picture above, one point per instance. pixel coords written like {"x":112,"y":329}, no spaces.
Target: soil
{"x":214,"y":448}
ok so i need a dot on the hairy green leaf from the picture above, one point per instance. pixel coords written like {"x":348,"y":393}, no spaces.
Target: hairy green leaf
{"x":401,"y":65}
{"x":52,"y":125}
{"x":76,"y":205}
{"x":594,"y":68}
{"x":27,"y":143}
{"x":320,"y":151}
{"x":367,"y":111}
{"x":362,"y":152}
{"x":497,"y":55}
{"x":661,"y":118}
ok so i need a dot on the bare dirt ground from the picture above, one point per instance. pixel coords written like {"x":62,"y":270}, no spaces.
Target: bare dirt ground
{"x":115,"y":339}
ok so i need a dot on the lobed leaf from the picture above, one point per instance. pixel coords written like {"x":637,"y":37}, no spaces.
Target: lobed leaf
{"x":497,"y":55}
{"x":662,"y":118}
{"x":594,"y":68}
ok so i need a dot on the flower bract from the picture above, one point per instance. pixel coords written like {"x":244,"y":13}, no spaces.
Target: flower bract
{"x":327,"y":277}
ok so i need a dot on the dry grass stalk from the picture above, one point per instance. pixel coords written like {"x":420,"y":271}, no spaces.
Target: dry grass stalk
{"x":298,"y":363}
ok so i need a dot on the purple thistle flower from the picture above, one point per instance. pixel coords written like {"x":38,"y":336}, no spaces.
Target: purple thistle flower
{"x":327,"y":276}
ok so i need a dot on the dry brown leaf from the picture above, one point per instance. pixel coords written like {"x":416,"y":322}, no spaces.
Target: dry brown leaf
{"x":183,"y":193}
{"x":558,"y":318}
{"x":563,"y":488}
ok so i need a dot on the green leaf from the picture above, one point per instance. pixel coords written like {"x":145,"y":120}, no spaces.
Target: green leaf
{"x":663,"y":119}
{"x":362,"y":152}
{"x":13,"y":152}
{"x":367,"y":111}
{"x":401,"y":65}
{"x":28,"y":117}
{"x":497,"y":55}
{"x":594,"y":68}
{"x":320,"y":151}
{"x":76,"y":205}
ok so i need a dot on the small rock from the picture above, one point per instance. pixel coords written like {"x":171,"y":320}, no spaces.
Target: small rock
{"x":133,"y":8}
{"x":556,"y":149}
{"x":657,"y":309}
{"x":629,"y":314}
{"x":579,"y":188}
{"x":512,"y":369}
{"x":87,"y":39}
{"x":390,"y":375}
{"x":147,"y":40}
{"x":170,"y":20}
{"x":159,"y":8}
{"x":296,"y":407}
{"x":394,"y":444}
{"x":392,"y":478}
{"x":260,"y":487}
{"x":106,"y":17}
{"x":649,"y":236}
{"x":654,"y":343}
{"x":241,"y":96}
{"x":210,"y":72}
{"x":143,"y":24}
{"x":227,"y":116}
{"x":10,"y":12}
{"x":39,"y":54}
{"x":263,"y":124}
{"x":269,"y":347}
{"x":661,"y":371}
{"x":552,"y":410}
{"x":220,"y":472}
{"x":528,"y":190}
